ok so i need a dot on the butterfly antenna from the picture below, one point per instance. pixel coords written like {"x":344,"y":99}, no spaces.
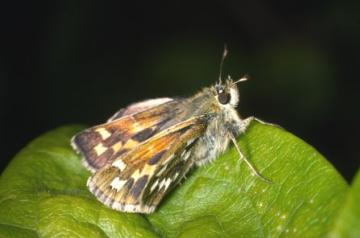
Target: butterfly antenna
{"x":222,"y":63}
{"x":242,"y":79}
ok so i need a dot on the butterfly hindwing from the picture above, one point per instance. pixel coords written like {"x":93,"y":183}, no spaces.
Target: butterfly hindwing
{"x":139,"y":179}
{"x":138,"y":107}
{"x":99,"y":145}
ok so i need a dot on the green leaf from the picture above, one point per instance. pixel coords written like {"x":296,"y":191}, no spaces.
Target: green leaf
{"x":43,"y":193}
{"x":348,"y":222}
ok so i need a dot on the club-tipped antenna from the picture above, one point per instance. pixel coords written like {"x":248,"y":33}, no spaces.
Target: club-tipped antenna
{"x":242,"y":79}
{"x":222,"y":63}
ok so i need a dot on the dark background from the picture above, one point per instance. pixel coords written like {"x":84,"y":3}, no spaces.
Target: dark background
{"x":65,"y":62}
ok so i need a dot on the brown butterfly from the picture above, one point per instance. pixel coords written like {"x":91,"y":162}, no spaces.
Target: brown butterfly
{"x":146,"y":149}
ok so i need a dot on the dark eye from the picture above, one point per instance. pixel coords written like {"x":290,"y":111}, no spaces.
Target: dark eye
{"x":224,"y":97}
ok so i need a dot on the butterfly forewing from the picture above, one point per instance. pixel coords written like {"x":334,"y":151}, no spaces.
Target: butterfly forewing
{"x":138,"y":180}
{"x":101,"y":144}
{"x":168,"y":175}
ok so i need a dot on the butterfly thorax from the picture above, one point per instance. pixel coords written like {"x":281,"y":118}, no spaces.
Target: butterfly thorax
{"x":222,"y":120}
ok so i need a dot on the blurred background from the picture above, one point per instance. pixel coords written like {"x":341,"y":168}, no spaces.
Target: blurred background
{"x":67,"y":62}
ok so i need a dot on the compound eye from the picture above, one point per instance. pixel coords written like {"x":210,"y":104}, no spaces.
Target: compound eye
{"x":224,"y":97}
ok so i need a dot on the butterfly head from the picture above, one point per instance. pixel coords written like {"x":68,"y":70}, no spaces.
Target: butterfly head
{"x":227,"y":93}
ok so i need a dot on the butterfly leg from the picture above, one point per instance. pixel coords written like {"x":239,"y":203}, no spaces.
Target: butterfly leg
{"x":251,"y":166}
{"x":247,"y":121}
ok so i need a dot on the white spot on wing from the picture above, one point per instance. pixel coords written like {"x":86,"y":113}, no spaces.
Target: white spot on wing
{"x":100,"y":149}
{"x":162,"y":183}
{"x":176,"y":175}
{"x":119,"y":164}
{"x":148,"y":169}
{"x":103,"y":133}
{"x":137,"y":174}
{"x":186,"y":156}
{"x":117,"y":183}
{"x":189,"y":142}
{"x":161,"y":170}
{"x":154,"y":185}
{"x":116,"y":147}
{"x":139,"y":208}
{"x":167,"y":159}
{"x":130,"y":207}
{"x":165,"y":183}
